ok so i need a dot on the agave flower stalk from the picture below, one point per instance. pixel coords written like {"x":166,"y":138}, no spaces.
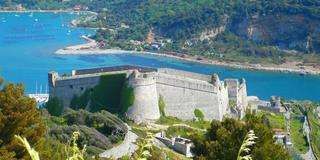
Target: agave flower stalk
{"x":245,"y":147}
{"x":32,"y":152}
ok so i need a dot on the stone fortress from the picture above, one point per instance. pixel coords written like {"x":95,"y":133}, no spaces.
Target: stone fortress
{"x":182,"y":92}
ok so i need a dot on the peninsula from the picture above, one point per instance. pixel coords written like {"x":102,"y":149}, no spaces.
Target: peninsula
{"x":92,"y":47}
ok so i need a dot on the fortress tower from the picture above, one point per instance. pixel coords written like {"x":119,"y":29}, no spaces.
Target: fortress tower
{"x":145,"y":106}
{"x":237,"y":92}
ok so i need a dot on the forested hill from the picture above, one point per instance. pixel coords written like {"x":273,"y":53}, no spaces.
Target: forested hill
{"x":245,"y":30}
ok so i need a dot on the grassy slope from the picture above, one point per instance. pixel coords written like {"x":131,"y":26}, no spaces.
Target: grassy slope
{"x":298,"y":139}
{"x":315,"y":132}
{"x":276,"y":119}
{"x":172,"y":120}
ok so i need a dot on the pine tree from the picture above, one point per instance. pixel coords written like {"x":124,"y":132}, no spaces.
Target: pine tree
{"x":18,"y":116}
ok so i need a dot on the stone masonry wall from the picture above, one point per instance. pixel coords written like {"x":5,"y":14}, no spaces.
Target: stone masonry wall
{"x":183,"y":74}
{"x":182,"y":92}
{"x":145,"y":106}
{"x":65,"y":88}
{"x":238,"y":92}
{"x":183,"y":95}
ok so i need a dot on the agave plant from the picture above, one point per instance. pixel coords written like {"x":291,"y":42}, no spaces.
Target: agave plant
{"x":72,"y":147}
{"x":244,"y":151}
{"x":144,"y":148}
{"x":76,"y":153}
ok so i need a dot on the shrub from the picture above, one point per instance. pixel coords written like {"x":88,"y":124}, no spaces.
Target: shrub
{"x":127,"y":98}
{"x":162,"y":106}
{"x":199,"y":115}
{"x":54,"y":106}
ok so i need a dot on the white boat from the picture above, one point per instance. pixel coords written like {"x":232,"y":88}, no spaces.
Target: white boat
{"x":31,"y":14}
{"x":36,"y":20}
{"x":69,"y":32}
{"x":17,"y":15}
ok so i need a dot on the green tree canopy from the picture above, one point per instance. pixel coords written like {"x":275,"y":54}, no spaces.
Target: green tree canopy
{"x":54,"y":106}
{"x":223,"y":140}
{"x":18,"y":116}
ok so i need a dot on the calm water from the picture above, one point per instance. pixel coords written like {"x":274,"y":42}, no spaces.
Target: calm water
{"x":27,"y":44}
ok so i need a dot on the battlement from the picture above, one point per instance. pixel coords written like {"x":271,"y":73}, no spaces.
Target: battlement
{"x":184,"y":74}
{"x":113,"y":69}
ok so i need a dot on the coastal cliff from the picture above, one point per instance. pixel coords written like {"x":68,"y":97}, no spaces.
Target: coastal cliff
{"x":298,"y":32}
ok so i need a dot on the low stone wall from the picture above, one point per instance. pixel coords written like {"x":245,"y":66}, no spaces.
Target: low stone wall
{"x":181,"y":147}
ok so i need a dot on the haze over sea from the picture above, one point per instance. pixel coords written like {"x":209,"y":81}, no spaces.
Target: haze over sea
{"x":28,"y":42}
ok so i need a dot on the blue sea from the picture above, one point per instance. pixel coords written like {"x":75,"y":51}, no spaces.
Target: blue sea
{"x":28,"y":42}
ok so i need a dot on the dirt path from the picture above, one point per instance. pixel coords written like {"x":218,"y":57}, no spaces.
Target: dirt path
{"x":127,"y":147}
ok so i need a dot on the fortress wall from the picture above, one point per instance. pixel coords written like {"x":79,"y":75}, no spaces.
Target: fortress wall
{"x":232,"y":88}
{"x":75,"y":76}
{"x":186,"y":74}
{"x":224,"y":100}
{"x":145,"y":106}
{"x":66,"y":89}
{"x":182,"y":82}
{"x":182,"y":92}
{"x":124,"y":68}
{"x":242,"y":96}
{"x":181,"y":102}
{"x":238,"y":92}
{"x":183,"y":96}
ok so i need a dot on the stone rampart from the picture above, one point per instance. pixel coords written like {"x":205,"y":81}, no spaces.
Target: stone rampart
{"x":182,"y":91}
{"x":184,"y":74}
{"x":183,"y":95}
{"x":181,"y":82}
{"x":66,"y":89}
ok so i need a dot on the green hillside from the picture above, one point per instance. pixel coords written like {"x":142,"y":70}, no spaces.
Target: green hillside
{"x":245,"y":31}
{"x":275,"y":31}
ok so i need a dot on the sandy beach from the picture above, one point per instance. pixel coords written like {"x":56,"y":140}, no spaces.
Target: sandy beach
{"x":90,"y":48}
